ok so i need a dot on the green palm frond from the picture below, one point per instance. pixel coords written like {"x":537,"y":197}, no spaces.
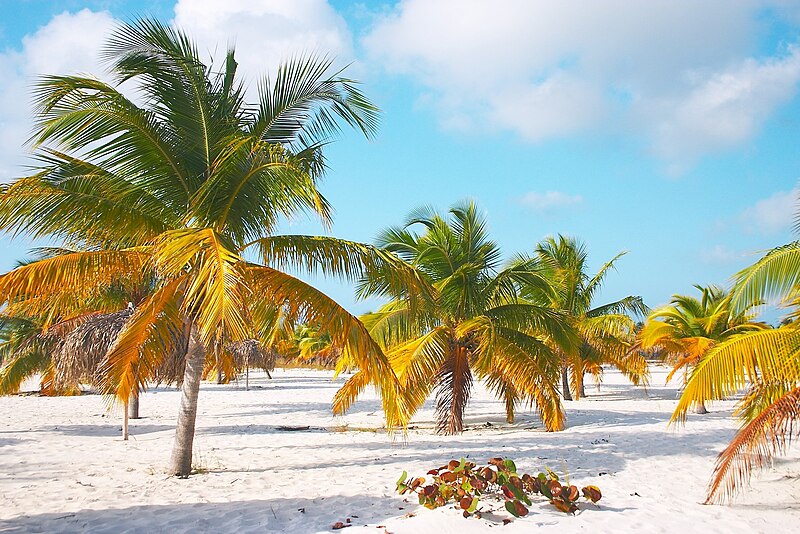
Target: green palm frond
{"x":776,"y":275}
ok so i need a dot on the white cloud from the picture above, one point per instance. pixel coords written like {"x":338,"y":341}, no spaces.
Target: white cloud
{"x":725,"y":109}
{"x":68,"y":44}
{"x":721,"y":255}
{"x":678,"y":72}
{"x":265,"y":32}
{"x":550,"y":201}
{"x":773,"y":214}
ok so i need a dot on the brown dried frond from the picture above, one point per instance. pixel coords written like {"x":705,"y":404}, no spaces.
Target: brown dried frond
{"x":755,"y":445}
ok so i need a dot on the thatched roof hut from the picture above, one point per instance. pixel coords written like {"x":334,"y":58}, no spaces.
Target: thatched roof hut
{"x":250,"y":353}
{"x":81,"y":351}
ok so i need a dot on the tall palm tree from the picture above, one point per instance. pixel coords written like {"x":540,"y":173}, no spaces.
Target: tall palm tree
{"x":606,"y":331}
{"x":765,"y":362}
{"x":187,"y":184}
{"x":473,"y":325}
{"x":689,"y":327}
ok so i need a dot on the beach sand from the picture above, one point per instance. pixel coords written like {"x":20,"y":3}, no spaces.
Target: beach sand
{"x":64,"y":467}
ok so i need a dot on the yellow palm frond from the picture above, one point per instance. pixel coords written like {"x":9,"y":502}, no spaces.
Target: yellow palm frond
{"x":215,"y":294}
{"x":527,"y":365}
{"x":417,"y":363}
{"x":70,"y":273}
{"x":141,"y":345}
{"x":302,"y":300}
{"x":771,"y":355}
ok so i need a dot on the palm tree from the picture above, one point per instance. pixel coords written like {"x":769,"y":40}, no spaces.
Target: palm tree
{"x":606,"y":331}
{"x":764,"y":361}
{"x":315,"y":346}
{"x":186,"y":184}
{"x":473,"y":325}
{"x":689,"y":327}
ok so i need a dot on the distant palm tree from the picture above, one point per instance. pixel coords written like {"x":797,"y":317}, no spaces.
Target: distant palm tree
{"x":766,"y":362}
{"x":606,"y":331}
{"x":182,"y":183}
{"x":474,"y":325}
{"x":689,"y":327}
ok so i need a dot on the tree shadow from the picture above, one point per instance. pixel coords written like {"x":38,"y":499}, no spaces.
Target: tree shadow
{"x":269,"y":515}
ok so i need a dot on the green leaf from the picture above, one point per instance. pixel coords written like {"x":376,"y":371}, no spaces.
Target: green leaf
{"x":510,"y":465}
{"x":511,"y":508}
{"x":473,"y":506}
{"x":460,"y":466}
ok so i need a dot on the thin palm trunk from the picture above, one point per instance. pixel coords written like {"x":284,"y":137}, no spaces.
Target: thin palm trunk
{"x":218,"y":361}
{"x":181,"y":461}
{"x":125,"y":422}
{"x":133,"y":407}
{"x":701,"y":408}
{"x":565,"y":383}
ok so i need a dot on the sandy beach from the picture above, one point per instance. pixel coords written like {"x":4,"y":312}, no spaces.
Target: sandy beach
{"x":66,"y":469}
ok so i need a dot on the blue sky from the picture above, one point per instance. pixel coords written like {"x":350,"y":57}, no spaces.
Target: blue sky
{"x":668,"y":129}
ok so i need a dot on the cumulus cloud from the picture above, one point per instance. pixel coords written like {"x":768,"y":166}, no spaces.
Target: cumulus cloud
{"x":265,"y":32}
{"x":725,"y":109}
{"x":773,"y":214}
{"x":550,"y":201}
{"x":68,"y":44}
{"x":678,"y":72}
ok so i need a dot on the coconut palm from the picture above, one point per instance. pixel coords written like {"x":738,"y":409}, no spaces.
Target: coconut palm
{"x":314,"y":346}
{"x":765,"y":362}
{"x":25,"y":351}
{"x":606,"y":331}
{"x":689,"y":327}
{"x":473,"y":325}
{"x":185,"y":185}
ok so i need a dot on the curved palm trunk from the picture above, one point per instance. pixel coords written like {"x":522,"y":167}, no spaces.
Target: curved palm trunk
{"x":453,"y":391}
{"x":181,"y":461}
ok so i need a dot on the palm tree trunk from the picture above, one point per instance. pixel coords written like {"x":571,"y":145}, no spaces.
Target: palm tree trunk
{"x":700,"y":408}
{"x":218,"y":362}
{"x":181,"y":461}
{"x":125,"y":422}
{"x":133,"y":407}
{"x":565,"y":392}
{"x":583,"y":388}
{"x":453,"y":390}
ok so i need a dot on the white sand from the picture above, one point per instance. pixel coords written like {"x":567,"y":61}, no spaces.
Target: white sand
{"x":64,"y":468}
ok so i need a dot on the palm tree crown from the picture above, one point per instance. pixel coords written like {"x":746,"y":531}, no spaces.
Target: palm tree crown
{"x":606,"y":331}
{"x":473,"y":324}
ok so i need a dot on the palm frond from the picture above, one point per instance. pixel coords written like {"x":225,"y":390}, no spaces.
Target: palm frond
{"x":755,"y":445}
{"x":771,"y":354}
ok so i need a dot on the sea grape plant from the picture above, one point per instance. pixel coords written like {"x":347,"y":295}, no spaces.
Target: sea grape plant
{"x":465,"y":483}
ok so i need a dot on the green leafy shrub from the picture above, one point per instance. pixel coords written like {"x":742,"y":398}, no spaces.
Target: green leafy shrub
{"x":464,"y":483}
